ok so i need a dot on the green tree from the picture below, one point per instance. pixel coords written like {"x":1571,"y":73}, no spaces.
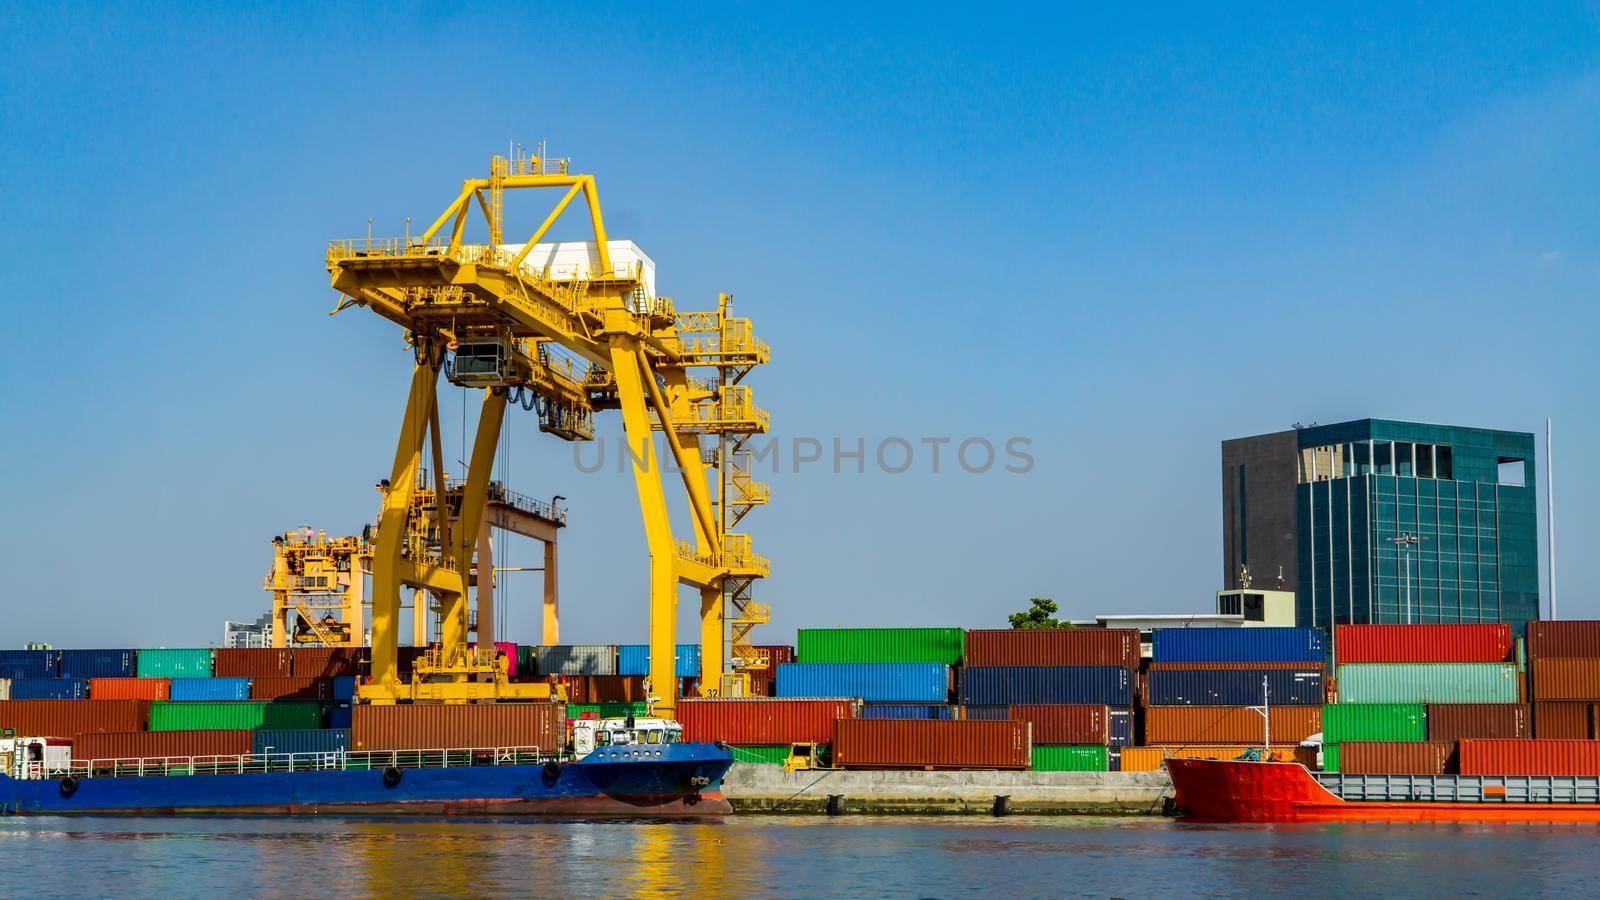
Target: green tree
{"x":1041,"y":615}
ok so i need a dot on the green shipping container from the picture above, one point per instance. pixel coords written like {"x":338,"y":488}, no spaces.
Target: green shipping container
{"x":1428,"y":683}
{"x":174,"y":663}
{"x":608,"y":710}
{"x":762,"y":754}
{"x":1064,"y":758}
{"x":1330,"y":757}
{"x":1374,"y":722}
{"x":882,"y":645}
{"x":247,"y":714}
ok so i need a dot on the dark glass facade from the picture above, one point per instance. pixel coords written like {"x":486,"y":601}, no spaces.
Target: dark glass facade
{"x":1405,"y":522}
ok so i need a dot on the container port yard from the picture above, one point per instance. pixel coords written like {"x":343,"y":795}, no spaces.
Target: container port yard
{"x":737,"y":450}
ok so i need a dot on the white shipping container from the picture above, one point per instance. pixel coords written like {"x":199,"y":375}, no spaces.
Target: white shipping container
{"x":5,"y":689}
{"x":581,"y":259}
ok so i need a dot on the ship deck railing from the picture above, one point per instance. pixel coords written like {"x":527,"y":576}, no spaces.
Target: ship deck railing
{"x":328,"y":761}
{"x":1462,"y":788}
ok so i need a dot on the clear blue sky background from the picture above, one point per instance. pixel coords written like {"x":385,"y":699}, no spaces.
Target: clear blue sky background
{"x":1124,"y":235}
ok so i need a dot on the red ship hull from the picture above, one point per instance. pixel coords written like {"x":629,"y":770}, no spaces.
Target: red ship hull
{"x":1237,"y":791}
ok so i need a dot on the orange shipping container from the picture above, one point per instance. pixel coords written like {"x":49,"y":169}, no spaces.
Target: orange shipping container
{"x":1053,"y":647}
{"x":931,"y":744}
{"x":1059,"y":723}
{"x":1536,"y":757}
{"x":757,"y":721}
{"x":293,"y":688}
{"x":251,"y":662}
{"x":1564,"y":719}
{"x":428,"y":726}
{"x":1397,"y":757}
{"x":130,"y":688}
{"x":159,"y":744}
{"x":1566,"y":679}
{"x":1148,"y":759}
{"x":1422,"y":643}
{"x":65,"y":718}
{"x":1229,"y":724}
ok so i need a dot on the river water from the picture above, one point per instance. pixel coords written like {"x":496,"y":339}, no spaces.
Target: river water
{"x":855,"y":856}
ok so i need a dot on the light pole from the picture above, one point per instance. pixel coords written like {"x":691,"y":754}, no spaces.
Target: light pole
{"x":1406,"y":543}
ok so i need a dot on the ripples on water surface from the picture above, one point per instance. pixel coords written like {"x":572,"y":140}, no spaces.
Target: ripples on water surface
{"x":790,"y":856}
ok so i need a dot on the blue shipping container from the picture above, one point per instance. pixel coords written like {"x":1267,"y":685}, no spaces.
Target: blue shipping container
{"x":634,"y":659}
{"x":339,"y":718}
{"x":990,"y":713}
{"x":906,"y":711}
{"x":1121,"y":727}
{"x":891,"y":682}
{"x":1237,"y":645}
{"x":29,"y":663}
{"x":309,"y":740}
{"x":96,"y":664}
{"x":1110,"y":685}
{"x":49,"y":689}
{"x":210,"y":689}
{"x":344,"y":687}
{"x":1236,"y":687}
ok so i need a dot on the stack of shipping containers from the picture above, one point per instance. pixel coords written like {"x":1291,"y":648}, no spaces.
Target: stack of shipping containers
{"x":1073,"y":686}
{"x":1202,"y":682}
{"x":1408,"y":693}
{"x":906,"y":676}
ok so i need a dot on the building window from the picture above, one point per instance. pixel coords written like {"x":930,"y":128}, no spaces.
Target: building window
{"x":1513,"y":472}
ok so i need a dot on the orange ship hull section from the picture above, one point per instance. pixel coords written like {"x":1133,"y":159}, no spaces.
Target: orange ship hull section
{"x":1235,"y":791}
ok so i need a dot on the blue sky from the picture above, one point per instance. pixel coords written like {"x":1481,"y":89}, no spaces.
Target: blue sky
{"x":1123,"y":235}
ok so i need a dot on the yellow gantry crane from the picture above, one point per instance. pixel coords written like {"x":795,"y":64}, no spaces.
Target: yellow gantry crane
{"x":317,"y":588}
{"x":564,"y":329}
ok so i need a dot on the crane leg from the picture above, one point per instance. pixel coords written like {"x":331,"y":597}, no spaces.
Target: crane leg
{"x":392,"y":527}
{"x":550,"y":632}
{"x":712,"y":661}
{"x":485,"y":579}
{"x":641,"y":456}
{"x":474,"y":497}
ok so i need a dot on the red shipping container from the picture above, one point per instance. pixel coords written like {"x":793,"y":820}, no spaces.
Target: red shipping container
{"x":1397,"y":757}
{"x":251,"y":662}
{"x":1053,"y":647}
{"x":65,"y":718}
{"x":777,"y":653}
{"x":433,"y":726}
{"x":159,"y":744}
{"x":1566,"y":678}
{"x":753,"y":721}
{"x":1459,"y":721}
{"x":1422,"y":643}
{"x":1229,"y":725}
{"x":291,"y":688}
{"x":615,"y":688}
{"x":130,"y":688}
{"x":1564,"y":719}
{"x":1536,"y":757}
{"x":1063,"y":723}
{"x":931,"y":744}
{"x":1564,"y":639}
{"x":327,"y":662}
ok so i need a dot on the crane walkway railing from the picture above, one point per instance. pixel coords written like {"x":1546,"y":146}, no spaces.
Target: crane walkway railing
{"x":330,"y":761}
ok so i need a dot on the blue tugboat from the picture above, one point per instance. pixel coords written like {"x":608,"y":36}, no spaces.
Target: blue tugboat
{"x":617,"y":767}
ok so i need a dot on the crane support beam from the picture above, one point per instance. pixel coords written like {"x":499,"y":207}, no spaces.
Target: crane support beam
{"x":387,"y":562}
{"x":474,"y":496}
{"x":640,"y":442}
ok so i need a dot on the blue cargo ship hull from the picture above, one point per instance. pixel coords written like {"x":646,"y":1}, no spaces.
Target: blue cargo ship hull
{"x":685,"y":780}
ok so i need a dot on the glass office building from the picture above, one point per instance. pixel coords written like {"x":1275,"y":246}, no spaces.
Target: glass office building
{"x":1397,"y":521}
